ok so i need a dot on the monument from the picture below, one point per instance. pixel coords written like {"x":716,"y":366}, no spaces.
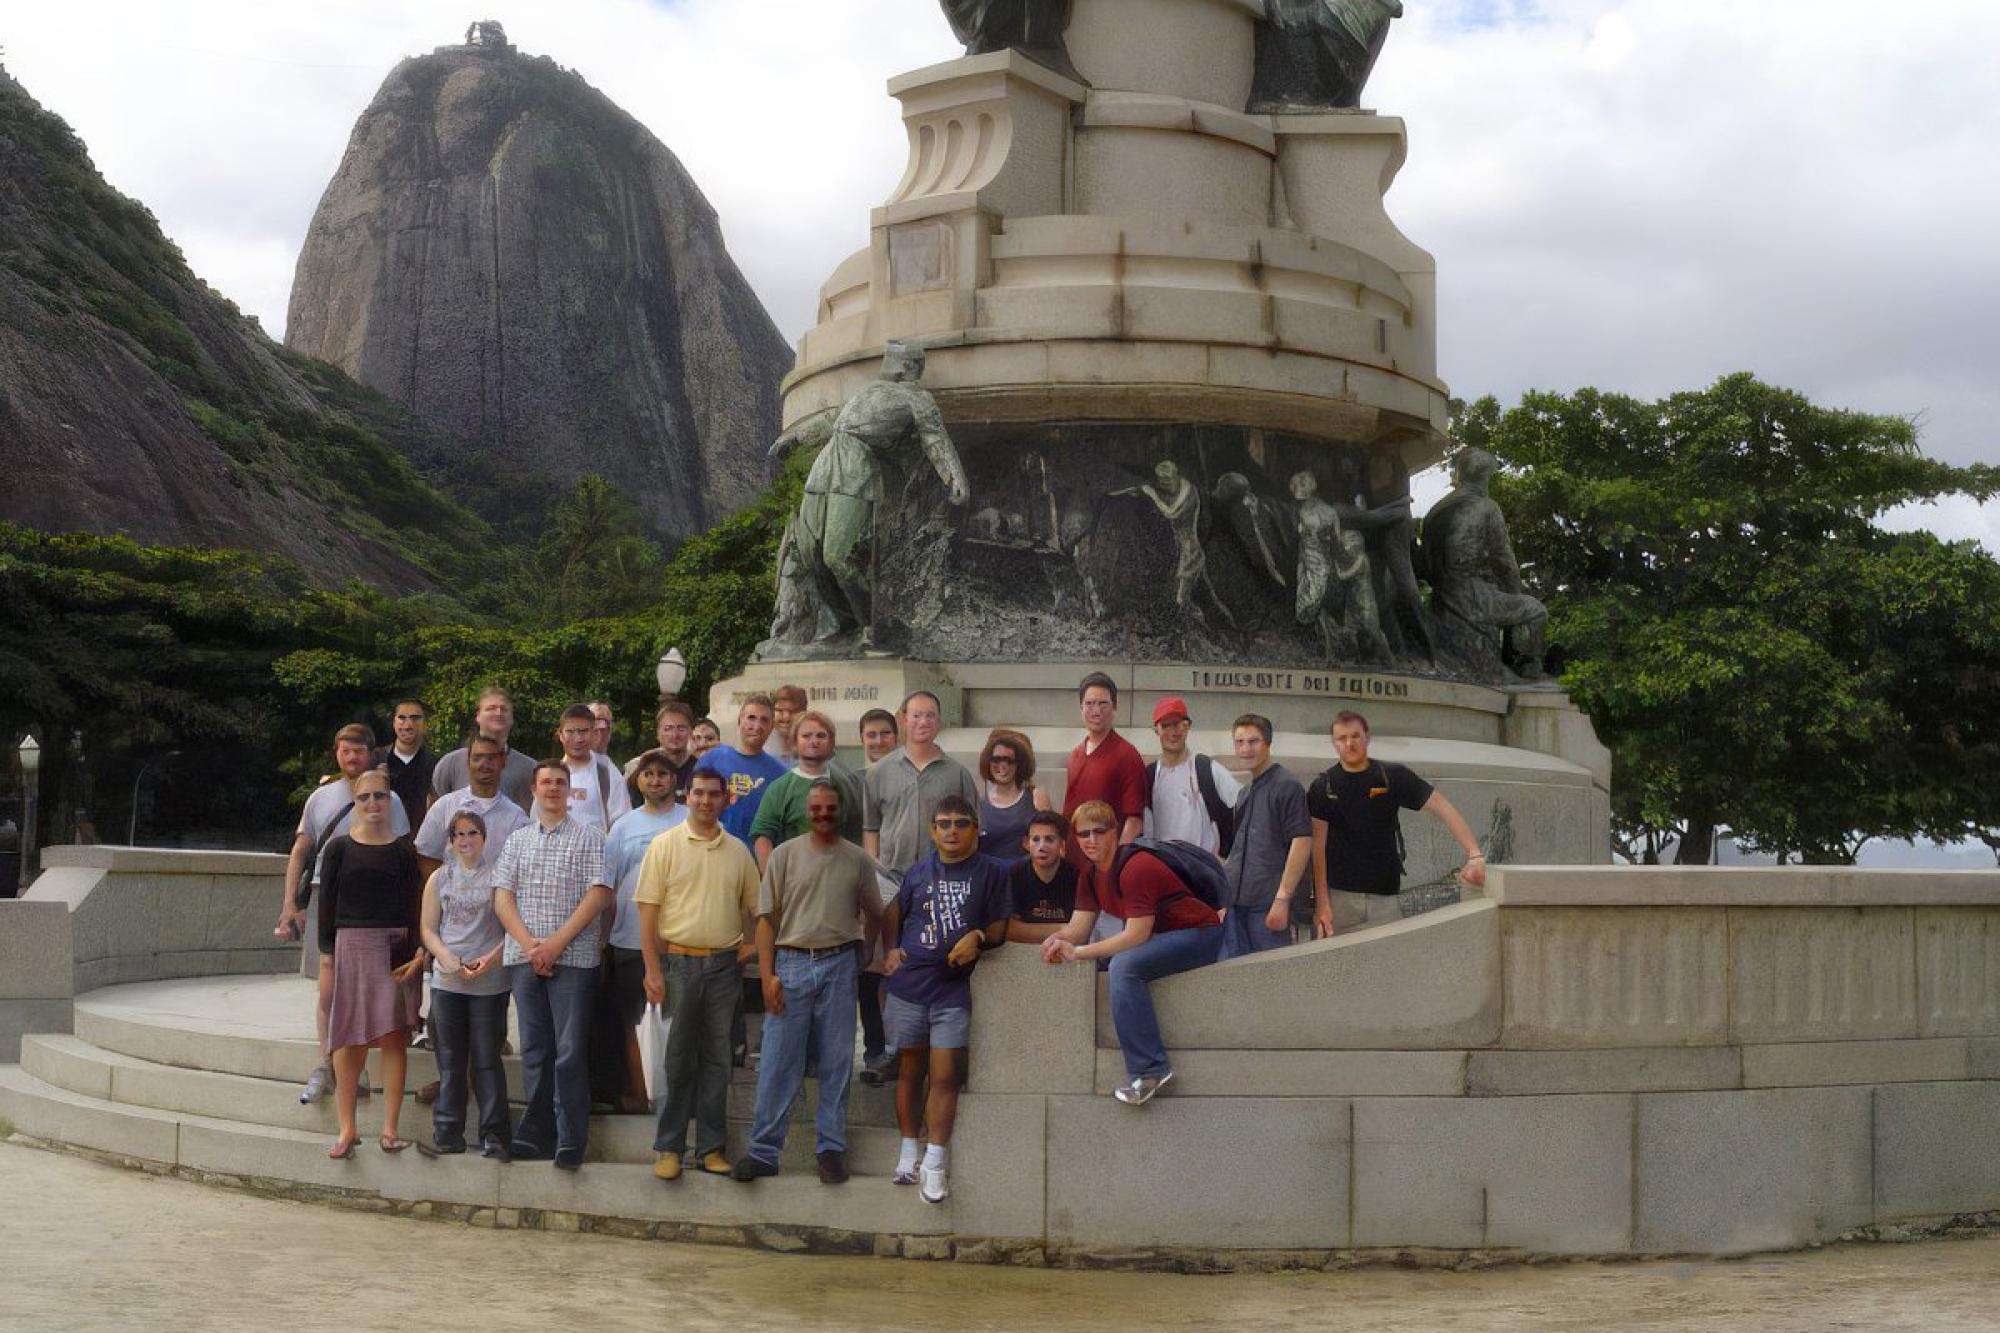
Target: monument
{"x":1132,"y":375}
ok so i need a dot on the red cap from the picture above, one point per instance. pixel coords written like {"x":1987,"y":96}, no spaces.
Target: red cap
{"x":1169,"y":707}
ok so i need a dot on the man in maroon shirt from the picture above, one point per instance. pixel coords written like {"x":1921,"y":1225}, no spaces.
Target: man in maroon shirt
{"x":1104,"y":766}
{"x":1166,"y":929}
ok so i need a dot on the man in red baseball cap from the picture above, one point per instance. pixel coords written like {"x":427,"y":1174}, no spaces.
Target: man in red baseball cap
{"x":1189,"y":797}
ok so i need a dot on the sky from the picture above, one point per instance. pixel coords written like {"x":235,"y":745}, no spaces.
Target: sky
{"x":1640,"y":195}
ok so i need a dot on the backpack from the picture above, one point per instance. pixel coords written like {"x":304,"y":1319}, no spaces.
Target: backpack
{"x":1220,"y":813}
{"x":1198,"y":869}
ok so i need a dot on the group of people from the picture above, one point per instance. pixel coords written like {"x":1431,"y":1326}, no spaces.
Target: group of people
{"x":861,"y":897}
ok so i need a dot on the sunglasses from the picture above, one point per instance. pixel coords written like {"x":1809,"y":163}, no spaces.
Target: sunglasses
{"x":359,"y":797}
{"x":1093,"y":832}
{"x":1001,"y":759}
{"x":952,"y":821}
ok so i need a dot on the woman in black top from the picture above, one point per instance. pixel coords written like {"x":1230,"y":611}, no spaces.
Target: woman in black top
{"x":372,"y":887}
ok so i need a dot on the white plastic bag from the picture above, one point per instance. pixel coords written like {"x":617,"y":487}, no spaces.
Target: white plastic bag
{"x":652,"y":1030}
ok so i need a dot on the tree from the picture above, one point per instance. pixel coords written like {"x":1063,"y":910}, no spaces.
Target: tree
{"x":1757,"y":653}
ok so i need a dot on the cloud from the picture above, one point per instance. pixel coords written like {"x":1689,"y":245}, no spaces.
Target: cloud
{"x":1636,"y":194}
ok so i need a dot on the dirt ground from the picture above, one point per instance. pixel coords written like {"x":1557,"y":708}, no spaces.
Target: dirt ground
{"x":85,"y":1245}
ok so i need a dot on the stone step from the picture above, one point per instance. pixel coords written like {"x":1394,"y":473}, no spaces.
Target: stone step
{"x":865,"y":1205}
{"x":79,"y":1066}
{"x":190,"y":1043}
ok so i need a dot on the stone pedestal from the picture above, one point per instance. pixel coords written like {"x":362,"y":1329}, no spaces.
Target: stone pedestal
{"x":1522,"y":765}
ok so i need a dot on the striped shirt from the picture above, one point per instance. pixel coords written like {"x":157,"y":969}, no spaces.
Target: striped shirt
{"x":549,"y":871}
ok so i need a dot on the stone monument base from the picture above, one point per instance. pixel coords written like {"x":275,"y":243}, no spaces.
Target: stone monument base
{"x":1522,"y":764}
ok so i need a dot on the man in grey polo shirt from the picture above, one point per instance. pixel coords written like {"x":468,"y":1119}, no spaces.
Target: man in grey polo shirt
{"x":899,"y":794}
{"x":1272,"y":846}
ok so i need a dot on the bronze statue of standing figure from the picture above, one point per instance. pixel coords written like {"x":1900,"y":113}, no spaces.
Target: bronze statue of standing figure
{"x":1316,"y":55}
{"x":1032,"y":27}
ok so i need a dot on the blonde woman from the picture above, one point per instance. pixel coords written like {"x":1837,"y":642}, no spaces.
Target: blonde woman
{"x":372,"y":887}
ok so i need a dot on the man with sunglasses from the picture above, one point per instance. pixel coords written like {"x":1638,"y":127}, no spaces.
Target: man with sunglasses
{"x":952,"y":907}
{"x":485,"y":759}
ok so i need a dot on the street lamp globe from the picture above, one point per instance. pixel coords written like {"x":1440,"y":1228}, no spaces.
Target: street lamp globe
{"x":672,"y":672}
{"x":31,"y":755}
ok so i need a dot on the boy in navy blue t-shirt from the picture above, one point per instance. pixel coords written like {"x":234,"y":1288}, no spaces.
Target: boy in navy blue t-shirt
{"x":953,"y":906}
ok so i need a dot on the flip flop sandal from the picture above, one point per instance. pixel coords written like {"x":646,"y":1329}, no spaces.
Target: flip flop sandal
{"x":393,"y":1145}
{"x":342,"y":1149}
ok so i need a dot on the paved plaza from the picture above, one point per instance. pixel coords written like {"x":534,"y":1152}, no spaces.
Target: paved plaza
{"x":166,"y":1253}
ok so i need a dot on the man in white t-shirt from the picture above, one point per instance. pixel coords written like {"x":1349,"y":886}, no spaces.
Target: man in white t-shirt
{"x":485,"y":759}
{"x":325,"y":816}
{"x":1189,"y":796}
{"x":597,"y":793}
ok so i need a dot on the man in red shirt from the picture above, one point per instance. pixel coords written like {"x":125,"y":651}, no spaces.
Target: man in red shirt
{"x":1166,"y":930}
{"x":1104,"y":766}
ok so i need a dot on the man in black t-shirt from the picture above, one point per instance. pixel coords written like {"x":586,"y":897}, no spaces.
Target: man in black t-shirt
{"x":1356,"y":808}
{"x":1043,"y":882}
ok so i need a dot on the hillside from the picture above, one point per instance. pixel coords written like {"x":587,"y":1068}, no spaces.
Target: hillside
{"x":135,"y":401}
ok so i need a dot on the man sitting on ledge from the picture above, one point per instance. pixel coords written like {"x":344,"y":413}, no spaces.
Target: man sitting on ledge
{"x":1167,"y":930}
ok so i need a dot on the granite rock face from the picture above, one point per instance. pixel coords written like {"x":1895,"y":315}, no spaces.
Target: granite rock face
{"x":137,"y":402}
{"x":521,"y":263}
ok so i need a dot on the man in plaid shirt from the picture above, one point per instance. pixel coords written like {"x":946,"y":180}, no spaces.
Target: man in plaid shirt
{"x":548,"y":891}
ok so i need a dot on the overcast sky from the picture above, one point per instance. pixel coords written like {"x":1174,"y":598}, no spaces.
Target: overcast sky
{"x":1636,"y":194}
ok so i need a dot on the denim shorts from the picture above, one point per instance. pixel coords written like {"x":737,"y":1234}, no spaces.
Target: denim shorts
{"x":914,"y":1026}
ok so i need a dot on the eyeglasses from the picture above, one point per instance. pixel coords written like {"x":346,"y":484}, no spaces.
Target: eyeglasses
{"x":361,"y":796}
{"x":1098,"y":832}
{"x":952,"y":821}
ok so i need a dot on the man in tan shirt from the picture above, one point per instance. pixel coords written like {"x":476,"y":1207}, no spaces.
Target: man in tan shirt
{"x":697,"y":897}
{"x":817,"y":899}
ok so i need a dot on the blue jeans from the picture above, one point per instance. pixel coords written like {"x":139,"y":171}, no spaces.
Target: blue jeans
{"x":702,"y":994}
{"x":819,"y":1016}
{"x":1132,"y":1003}
{"x":1244,"y":932}
{"x":468,"y":1031}
{"x":554,"y":1014}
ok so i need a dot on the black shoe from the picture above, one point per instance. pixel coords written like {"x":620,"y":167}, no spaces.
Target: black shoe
{"x":749,"y":1168}
{"x":832,"y":1168}
{"x":497,"y":1151}
{"x":740,"y":1057}
{"x":450,"y":1147}
{"x":527,"y":1152}
{"x":569,"y":1159}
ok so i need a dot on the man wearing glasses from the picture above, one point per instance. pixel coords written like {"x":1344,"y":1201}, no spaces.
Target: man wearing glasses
{"x":409,"y":761}
{"x":1104,"y":766}
{"x":952,"y":907}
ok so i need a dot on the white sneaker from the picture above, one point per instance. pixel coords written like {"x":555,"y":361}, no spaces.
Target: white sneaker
{"x":933,"y":1184}
{"x":905,"y":1175}
{"x":1140,"y":1090}
{"x":317,"y":1086}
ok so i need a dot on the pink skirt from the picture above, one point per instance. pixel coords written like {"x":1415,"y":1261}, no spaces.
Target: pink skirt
{"x":368,"y":1003}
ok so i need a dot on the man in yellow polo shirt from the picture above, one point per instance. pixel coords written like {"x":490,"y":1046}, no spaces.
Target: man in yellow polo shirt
{"x":697,"y":901}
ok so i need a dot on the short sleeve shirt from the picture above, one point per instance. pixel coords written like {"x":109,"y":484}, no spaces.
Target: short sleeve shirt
{"x":502,"y":817}
{"x":939,"y":903}
{"x":624,"y":849}
{"x":1270,"y":816}
{"x":781,"y":815}
{"x":898,"y":799}
{"x":550,"y":871}
{"x":517,"y":776}
{"x":702,"y":886}
{"x":334,"y":800}
{"x":1041,"y":904}
{"x":745,"y":776}
{"x":1114,"y":774}
{"x":1362,"y":812}
{"x":814,"y":894}
{"x":1144,"y":887}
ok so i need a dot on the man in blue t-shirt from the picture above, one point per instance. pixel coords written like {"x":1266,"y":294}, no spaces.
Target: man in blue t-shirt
{"x":746,"y":770}
{"x":953,"y":906}
{"x":616,"y":1073}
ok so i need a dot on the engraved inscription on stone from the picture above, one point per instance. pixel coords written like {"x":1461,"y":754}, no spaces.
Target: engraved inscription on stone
{"x":1340,"y":684}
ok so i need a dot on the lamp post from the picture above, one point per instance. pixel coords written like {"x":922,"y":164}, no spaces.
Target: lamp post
{"x":672,"y":673}
{"x":31,"y":767}
{"x":132,"y":828}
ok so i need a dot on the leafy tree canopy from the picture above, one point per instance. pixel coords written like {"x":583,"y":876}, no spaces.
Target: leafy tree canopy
{"x":1756,"y":652}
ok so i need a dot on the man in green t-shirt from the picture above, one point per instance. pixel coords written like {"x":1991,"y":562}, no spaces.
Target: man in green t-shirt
{"x":782,"y":815}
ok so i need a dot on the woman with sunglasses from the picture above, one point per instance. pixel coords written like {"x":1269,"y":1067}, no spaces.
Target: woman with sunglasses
{"x":468,"y":991}
{"x":1167,"y":930}
{"x":368,"y":922}
{"x":1008,"y":796}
